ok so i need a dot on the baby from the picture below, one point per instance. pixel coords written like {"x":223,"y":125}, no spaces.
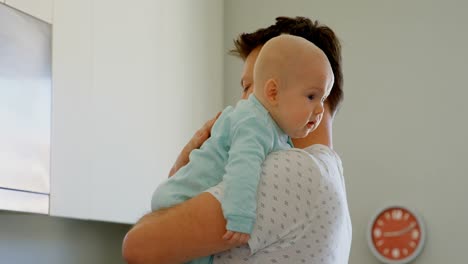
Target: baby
{"x":292,"y":78}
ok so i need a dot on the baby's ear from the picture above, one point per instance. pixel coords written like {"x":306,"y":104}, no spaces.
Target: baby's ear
{"x":271,"y":91}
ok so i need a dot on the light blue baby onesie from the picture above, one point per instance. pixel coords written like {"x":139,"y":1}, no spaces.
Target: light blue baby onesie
{"x":240,"y":140}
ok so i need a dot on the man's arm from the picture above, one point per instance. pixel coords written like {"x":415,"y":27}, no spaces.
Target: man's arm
{"x":187,"y":231}
{"x":184,"y":232}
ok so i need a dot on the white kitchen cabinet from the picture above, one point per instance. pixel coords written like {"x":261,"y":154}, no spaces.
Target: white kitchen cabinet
{"x":131,"y":84}
{"x":41,"y":9}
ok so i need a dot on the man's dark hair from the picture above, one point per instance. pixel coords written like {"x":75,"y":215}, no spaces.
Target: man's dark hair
{"x":321,"y":35}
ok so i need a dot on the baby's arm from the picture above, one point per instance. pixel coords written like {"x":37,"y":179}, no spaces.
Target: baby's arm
{"x":251,"y":141}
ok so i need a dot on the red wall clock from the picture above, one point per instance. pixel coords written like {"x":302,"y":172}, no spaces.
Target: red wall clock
{"x":396,"y":235}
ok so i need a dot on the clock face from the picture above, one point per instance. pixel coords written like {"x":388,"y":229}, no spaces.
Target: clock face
{"x":396,"y":235}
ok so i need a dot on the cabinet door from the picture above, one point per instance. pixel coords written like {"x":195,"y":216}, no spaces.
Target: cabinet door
{"x":130,"y":88}
{"x":41,"y":9}
{"x":71,"y":143}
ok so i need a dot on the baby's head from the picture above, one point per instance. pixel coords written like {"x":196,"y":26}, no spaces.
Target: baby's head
{"x":292,"y":79}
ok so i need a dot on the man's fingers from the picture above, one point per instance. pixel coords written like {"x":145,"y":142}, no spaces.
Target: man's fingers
{"x":203,"y":133}
{"x":211,"y":122}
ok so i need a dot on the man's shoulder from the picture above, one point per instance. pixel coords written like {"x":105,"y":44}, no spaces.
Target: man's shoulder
{"x":324,"y":154}
{"x":316,"y":151}
{"x":315,"y":158}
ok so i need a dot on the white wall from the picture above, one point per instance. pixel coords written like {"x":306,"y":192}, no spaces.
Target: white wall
{"x":401,"y":131}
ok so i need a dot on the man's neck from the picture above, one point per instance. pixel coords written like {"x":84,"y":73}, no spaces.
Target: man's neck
{"x":321,"y":135}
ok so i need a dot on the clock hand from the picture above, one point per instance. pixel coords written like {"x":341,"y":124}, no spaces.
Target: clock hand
{"x":400,"y":232}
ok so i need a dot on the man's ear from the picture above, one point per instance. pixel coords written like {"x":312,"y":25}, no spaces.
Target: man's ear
{"x":271,"y":91}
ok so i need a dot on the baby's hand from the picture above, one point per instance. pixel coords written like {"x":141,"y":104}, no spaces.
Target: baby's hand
{"x":236,"y":237}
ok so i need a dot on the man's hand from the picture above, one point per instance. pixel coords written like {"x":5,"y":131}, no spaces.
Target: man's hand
{"x":202,"y":134}
{"x":236,"y":237}
{"x":195,"y":142}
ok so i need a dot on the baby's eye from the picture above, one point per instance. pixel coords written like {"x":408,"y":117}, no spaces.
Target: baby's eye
{"x":311,"y":97}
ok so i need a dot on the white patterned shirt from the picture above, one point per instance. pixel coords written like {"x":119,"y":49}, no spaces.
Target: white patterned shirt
{"x":302,"y":211}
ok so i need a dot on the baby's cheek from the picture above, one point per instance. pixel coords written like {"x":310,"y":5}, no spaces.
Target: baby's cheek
{"x":302,"y":117}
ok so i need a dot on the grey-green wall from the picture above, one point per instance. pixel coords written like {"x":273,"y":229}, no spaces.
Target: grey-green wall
{"x":38,"y":239}
{"x":402,"y":131}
